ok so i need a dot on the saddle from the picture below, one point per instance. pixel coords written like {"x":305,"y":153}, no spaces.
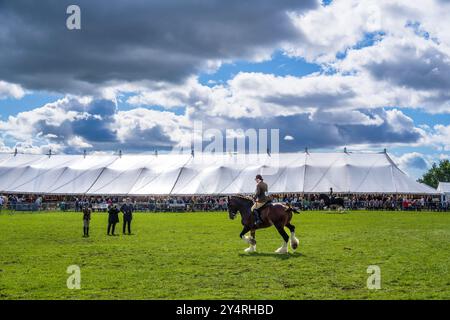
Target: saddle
{"x":267,"y":204}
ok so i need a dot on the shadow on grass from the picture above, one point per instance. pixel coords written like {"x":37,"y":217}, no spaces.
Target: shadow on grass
{"x":272,"y":255}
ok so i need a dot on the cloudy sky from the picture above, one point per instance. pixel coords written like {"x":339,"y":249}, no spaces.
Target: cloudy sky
{"x":363,"y":74}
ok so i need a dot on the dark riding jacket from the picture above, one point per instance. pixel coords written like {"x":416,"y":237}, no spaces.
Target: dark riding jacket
{"x":113,"y":215}
{"x":87,"y":214}
{"x":127,"y":210}
{"x":260,"y":193}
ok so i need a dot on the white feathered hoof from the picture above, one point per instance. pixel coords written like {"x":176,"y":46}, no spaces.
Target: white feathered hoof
{"x":249,"y":240}
{"x":250,"y":249}
{"x":294,"y":241}
{"x":282,"y":249}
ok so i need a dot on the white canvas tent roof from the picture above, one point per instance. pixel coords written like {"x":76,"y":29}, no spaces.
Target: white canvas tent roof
{"x":220,"y":174}
{"x":444,"y":187}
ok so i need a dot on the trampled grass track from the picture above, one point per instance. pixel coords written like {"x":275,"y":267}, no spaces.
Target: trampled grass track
{"x":200,"y":256}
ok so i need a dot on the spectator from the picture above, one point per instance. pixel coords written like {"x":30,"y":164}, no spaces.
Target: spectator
{"x":86,"y":220}
{"x":38,"y":203}
{"x":113,"y":218}
{"x":127,"y":210}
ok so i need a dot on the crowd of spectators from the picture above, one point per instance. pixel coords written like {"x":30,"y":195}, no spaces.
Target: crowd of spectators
{"x":21,"y":202}
{"x":219,"y":203}
{"x":368,"y":202}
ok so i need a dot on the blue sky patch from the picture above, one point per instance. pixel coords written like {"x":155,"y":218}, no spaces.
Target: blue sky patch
{"x":280,"y":64}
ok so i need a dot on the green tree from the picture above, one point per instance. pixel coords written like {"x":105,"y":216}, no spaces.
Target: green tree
{"x":437,"y":173}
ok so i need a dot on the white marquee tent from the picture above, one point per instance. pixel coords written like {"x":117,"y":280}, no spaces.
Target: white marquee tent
{"x":183,"y":174}
{"x":444,"y":189}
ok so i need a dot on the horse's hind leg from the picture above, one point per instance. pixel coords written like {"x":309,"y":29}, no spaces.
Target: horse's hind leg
{"x":252,"y":247}
{"x":284,"y":247}
{"x":294,"y":240}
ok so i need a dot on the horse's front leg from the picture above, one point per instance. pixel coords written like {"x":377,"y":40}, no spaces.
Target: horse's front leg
{"x":249,"y":240}
{"x":252,"y":242}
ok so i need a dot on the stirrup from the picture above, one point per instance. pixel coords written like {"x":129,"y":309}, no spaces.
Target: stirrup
{"x":258,"y":219}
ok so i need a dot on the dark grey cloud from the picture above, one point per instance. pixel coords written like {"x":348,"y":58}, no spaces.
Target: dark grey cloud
{"x":429,"y":71}
{"x":416,"y":162}
{"x":318,"y":100}
{"x":98,"y":128}
{"x":308,"y":132}
{"x":134,"y":40}
{"x":95,"y":126}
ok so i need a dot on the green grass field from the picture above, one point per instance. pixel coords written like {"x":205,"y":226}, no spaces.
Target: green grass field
{"x":200,"y":256}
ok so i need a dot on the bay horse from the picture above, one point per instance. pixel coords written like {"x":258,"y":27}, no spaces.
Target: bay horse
{"x":278,"y":215}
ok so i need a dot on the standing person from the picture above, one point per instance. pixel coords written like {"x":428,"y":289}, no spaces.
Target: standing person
{"x":38,"y":203}
{"x":86,"y":220}
{"x":113,"y":218}
{"x":127,"y":210}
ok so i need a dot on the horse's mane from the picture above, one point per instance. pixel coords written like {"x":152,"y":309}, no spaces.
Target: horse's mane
{"x":243,"y":197}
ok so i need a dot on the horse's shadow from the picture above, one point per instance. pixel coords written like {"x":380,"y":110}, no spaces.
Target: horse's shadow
{"x":272,"y":255}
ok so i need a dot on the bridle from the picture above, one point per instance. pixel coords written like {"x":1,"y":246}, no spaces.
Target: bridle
{"x":232,"y":213}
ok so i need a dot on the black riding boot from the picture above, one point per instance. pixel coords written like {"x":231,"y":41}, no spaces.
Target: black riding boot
{"x":257,"y":217}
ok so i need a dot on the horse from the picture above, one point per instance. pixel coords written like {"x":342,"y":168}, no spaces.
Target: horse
{"x":278,"y":215}
{"x":336,"y":203}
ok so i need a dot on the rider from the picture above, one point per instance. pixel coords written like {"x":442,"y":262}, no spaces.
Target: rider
{"x":260,"y":198}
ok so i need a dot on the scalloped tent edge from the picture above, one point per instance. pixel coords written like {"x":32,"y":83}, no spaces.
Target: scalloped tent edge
{"x":205,"y":174}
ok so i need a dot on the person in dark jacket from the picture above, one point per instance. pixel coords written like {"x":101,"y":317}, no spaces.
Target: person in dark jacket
{"x":86,"y":220}
{"x":127,"y":210}
{"x":261,"y":198}
{"x":113,"y":218}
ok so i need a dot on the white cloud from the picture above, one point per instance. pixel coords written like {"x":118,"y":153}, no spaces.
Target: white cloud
{"x":411,"y":59}
{"x":438,"y":137}
{"x":23,"y":126}
{"x":78,"y":142}
{"x":411,"y":159}
{"x":260,"y":95}
{"x":333,"y":28}
{"x":416,"y":164}
{"x":11,"y":90}
{"x":399,"y":121}
{"x":132,"y":122}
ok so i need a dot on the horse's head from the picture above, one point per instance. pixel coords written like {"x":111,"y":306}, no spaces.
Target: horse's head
{"x":241,"y":204}
{"x":232,"y":207}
